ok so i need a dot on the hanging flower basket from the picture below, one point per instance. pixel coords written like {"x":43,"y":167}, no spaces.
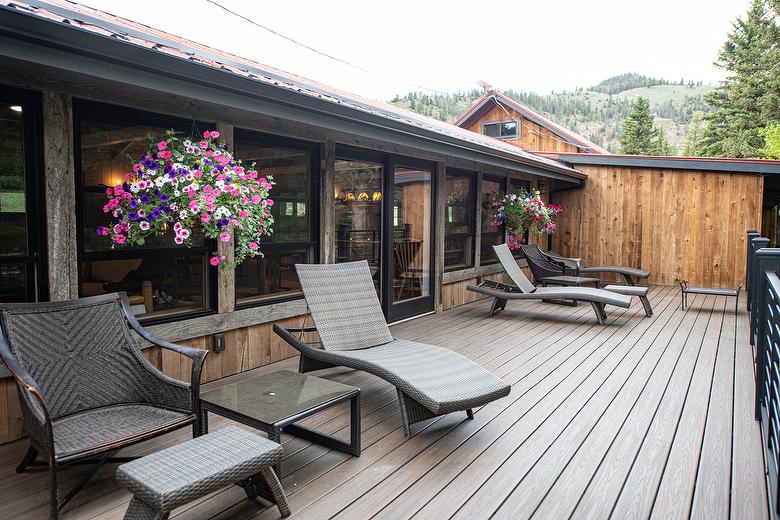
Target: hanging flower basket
{"x":523,"y":212}
{"x":180,"y":185}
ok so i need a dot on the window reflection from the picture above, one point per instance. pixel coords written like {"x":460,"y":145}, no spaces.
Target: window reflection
{"x":459,"y":210}
{"x":358,"y":199}
{"x":492,"y":188}
{"x":162,"y":279}
{"x":411,"y":233}
{"x":272,"y":276}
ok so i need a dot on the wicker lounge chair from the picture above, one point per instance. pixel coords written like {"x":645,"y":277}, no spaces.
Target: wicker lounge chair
{"x":523,"y":289}
{"x":549,"y":264}
{"x":430,"y":381}
{"x":86,"y":390}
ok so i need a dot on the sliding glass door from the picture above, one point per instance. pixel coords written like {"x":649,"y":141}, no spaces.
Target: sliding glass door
{"x":384,"y":215}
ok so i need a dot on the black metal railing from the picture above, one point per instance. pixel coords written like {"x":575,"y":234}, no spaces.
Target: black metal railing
{"x":763,"y":290}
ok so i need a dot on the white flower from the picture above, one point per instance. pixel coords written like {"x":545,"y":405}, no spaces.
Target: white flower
{"x":187,"y":143}
{"x":160,"y":182}
{"x":182,"y":215}
{"x":144,"y":225}
{"x":176,"y":193}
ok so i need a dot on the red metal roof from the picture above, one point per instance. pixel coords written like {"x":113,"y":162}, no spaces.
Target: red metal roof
{"x":565,"y":133}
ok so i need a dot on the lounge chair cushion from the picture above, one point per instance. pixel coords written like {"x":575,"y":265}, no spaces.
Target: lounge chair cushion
{"x":439,"y":379}
{"x":344,"y":307}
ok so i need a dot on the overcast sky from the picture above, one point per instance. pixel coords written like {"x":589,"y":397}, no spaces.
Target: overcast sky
{"x":450,"y":45}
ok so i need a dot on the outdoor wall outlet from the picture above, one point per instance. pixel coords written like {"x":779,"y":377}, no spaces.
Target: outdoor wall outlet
{"x":219,"y":342}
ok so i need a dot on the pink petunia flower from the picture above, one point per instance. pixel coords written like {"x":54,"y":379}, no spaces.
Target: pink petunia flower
{"x":253,"y":246}
{"x":214,"y":261}
{"x":224,"y":236}
{"x":120,"y":239}
{"x":162,"y":145}
{"x":205,"y":217}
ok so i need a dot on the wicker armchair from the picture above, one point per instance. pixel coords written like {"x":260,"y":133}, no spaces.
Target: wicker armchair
{"x":544,"y":265}
{"x":86,"y":389}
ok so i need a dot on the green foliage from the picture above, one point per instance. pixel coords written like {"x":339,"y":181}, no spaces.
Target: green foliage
{"x":640,"y":135}
{"x":693,"y":141}
{"x":748,"y":100}
{"x":595,"y":115}
{"x":627,"y":81}
{"x":771,"y":148}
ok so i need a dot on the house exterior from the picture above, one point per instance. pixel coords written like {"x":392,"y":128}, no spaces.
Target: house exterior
{"x":355,"y":180}
{"x":503,"y":118}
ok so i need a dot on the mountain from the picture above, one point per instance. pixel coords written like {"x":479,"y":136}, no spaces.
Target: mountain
{"x":596,"y":112}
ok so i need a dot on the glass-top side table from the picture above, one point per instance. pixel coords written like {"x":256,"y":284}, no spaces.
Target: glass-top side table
{"x":272,"y":402}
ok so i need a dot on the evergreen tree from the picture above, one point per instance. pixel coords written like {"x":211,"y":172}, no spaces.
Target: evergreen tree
{"x":662,"y":145}
{"x":638,"y":136}
{"x":693,"y":141}
{"x":749,"y":98}
{"x":772,"y":146}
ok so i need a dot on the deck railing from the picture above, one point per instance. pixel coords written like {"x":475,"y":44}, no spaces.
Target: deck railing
{"x":763,"y":290}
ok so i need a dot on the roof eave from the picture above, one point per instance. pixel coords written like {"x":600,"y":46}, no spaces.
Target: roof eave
{"x":28,"y":30}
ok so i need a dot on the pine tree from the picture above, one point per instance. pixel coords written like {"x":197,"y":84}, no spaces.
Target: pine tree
{"x":662,"y":145}
{"x":638,"y":136}
{"x":749,"y":98}
{"x":693,"y":141}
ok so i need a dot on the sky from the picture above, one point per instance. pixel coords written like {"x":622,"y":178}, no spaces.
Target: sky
{"x":541,"y":46}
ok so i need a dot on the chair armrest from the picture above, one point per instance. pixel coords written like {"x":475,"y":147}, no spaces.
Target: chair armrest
{"x":35,"y":410}
{"x":198,"y":356}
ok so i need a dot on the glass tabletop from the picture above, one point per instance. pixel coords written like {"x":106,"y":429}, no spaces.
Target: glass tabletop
{"x":276,"y":396}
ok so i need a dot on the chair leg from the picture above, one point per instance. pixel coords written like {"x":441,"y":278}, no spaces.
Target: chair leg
{"x":54,"y":506}
{"x":601,"y":315}
{"x":276,"y":488}
{"x":28,"y":459}
{"x":498,"y":305}
{"x":646,"y":304}
{"x":470,"y":414}
{"x":84,"y":479}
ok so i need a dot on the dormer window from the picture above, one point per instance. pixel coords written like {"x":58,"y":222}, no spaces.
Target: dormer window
{"x":501,"y":130}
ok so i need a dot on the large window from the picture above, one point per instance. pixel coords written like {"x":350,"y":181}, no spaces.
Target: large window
{"x":292,"y":164}
{"x":21,"y":272}
{"x":162,"y":280}
{"x":501,"y":130}
{"x":459,"y":210}
{"x":492,"y":188}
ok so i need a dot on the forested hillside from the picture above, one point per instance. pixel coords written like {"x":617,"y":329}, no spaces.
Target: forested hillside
{"x":596,"y":112}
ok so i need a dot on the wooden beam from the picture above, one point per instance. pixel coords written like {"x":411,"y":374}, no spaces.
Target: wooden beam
{"x":438,"y":267}
{"x":327,"y":202}
{"x":226,"y":278}
{"x":60,"y":195}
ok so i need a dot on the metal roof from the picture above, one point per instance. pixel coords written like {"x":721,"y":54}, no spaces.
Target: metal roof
{"x":493,"y":95}
{"x":84,"y":31}
{"x":754,"y":166}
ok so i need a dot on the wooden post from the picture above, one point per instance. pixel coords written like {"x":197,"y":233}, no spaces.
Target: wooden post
{"x":478,"y":223}
{"x":438,"y":230}
{"x":226,"y":278}
{"x":60,"y":195}
{"x":327,"y":202}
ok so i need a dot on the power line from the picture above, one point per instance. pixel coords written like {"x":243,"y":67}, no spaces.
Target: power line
{"x":321,"y":53}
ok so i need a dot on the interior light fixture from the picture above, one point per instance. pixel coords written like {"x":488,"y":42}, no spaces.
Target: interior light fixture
{"x":16,"y":108}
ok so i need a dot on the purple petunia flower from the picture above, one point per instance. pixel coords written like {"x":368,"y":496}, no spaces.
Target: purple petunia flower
{"x":228,"y":179}
{"x":145,"y":199}
{"x":134,"y":203}
{"x":156,"y":213}
{"x":164,"y":197}
{"x":165,"y":209}
{"x":132,"y":216}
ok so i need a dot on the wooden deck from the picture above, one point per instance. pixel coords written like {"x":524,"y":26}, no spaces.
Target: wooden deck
{"x":641,"y":418}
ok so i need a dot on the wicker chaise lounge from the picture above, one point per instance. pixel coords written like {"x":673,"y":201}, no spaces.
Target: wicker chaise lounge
{"x":523,"y":289}
{"x":430,"y":381}
{"x":548,"y":264}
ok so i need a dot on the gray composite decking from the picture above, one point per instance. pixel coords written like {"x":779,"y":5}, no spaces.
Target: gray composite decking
{"x":643,"y":417}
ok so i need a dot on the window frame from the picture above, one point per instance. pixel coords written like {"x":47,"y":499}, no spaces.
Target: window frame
{"x":82,"y":109}
{"x":503,"y":181}
{"x":313,"y":211}
{"x":472,"y":177}
{"x":36,"y":283}
{"x":500,"y":122}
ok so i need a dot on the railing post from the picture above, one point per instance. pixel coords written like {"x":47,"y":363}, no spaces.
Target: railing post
{"x":756,"y":291}
{"x":766,"y":260}
{"x":751,"y":234}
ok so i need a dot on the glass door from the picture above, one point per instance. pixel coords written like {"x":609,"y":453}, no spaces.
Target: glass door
{"x":384,"y":215}
{"x":21,"y":240}
{"x":409,"y":252}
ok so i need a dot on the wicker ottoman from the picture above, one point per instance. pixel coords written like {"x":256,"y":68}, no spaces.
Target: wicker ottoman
{"x":170,"y":478}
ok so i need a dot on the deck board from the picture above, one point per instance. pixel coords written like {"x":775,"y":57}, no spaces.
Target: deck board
{"x":642,"y":417}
